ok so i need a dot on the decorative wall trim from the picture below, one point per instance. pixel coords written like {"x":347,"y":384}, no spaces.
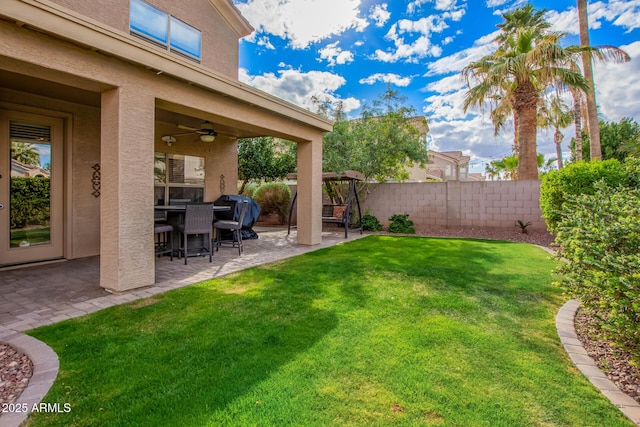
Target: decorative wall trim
{"x":95,"y":180}
{"x":222,"y":184}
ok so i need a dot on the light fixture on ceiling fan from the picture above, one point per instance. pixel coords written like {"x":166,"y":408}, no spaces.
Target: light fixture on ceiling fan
{"x":206,"y":132}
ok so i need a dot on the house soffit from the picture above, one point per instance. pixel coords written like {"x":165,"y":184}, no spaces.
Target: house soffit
{"x":232,"y":15}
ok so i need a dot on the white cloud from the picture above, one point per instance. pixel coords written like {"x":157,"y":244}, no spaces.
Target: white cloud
{"x":380,"y":14}
{"x":387,"y":78}
{"x":617,"y":86}
{"x":264,"y":41}
{"x":621,"y":13}
{"x":446,"y":85}
{"x":299,"y":88}
{"x":457,"y":61}
{"x":303,"y":22}
{"x":421,"y":46}
{"x":335,"y":55}
{"x":439,"y":5}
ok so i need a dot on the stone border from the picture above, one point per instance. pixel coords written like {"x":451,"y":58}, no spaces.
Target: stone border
{"x":572,"y":345}
{"x":45,"y":370}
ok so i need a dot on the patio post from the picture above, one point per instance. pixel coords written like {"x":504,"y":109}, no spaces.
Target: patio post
{"x":126,"y":200}
{"x":309,"y":202}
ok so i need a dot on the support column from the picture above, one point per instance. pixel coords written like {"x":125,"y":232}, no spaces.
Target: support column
{"x":309,"y":203}
{"x":221,"y":168}
{"x":126,"y":202}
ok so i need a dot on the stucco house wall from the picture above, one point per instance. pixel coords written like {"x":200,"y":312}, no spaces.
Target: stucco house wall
{"x":219,"y":40}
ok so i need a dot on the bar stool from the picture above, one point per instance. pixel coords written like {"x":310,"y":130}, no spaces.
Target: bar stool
{"x":164,"y":239}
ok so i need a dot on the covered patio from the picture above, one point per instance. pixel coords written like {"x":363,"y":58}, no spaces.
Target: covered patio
{"x":51,"y":293}
{"x":110,"y":104}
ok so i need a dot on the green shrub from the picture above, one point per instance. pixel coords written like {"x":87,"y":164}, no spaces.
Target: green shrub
{"x":249,"y":190}
{"x":30,"y":201}
{"x":576,"y":178}
{"x":599,"y":236}
{"x":274,"y":197}
{"x":370,"y":223}
{"x":400,"y":223}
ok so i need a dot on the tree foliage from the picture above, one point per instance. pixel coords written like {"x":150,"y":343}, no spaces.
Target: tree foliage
{"x":30,"y":201}
{"x":599,"y":237}
{"x":617,"y":140}
{"x":507,"y":167}
{"x":580,"y":178}
{"x":265,"y":159}
{"x":379,"y":144}
{"x":25,"y":152}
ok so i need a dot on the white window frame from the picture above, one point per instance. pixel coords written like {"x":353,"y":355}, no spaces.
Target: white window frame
{"x":166,"y":31}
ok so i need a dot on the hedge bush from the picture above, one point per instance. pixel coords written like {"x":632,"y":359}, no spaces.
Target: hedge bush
{"x":599,"y":237}
{"x":370,"y":223}
{"x":249,"y":190}
{"x":576,"y":178}
{"x":274,"y":197}
{"x":30,"y":201}
{"x":400,"y":223}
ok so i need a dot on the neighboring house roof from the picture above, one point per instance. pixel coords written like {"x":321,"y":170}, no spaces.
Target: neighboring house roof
{"x":455,"y":157}
{"x":23,"y":169}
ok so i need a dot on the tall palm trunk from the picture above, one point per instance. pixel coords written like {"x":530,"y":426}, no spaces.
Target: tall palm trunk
{"x":557,"y":138}
{"x":526,"y":106}
{"x":577,"y":120}
{"x":592,"y":113}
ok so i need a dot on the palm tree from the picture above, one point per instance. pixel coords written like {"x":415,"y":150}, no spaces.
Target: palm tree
{"x":532,"y":62}
{"x":555,"y":113}
{"x":25,"y":152}
{"x":528,"y":61}
{"x":604,"y":53}
{"x":503,"y":103}
{"x":577,"y":120}
{"x":592,"y":115}
{"x":506,"y":168}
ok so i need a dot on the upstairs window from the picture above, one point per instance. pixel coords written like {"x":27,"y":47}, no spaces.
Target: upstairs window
{"x":164,"y":30}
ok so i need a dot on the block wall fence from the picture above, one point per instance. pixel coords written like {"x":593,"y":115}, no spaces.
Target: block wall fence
{"x":494,"y":204}
{"x":490,"y":204}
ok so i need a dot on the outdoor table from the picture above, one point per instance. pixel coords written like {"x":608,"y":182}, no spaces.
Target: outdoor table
{"x":175,"y":216}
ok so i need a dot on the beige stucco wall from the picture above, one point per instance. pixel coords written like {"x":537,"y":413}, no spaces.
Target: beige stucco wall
{"x":495,"y":204}
{"x":219,"y":41}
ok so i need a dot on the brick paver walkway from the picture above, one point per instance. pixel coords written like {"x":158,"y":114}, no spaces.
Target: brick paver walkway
{"x":45,"y":294}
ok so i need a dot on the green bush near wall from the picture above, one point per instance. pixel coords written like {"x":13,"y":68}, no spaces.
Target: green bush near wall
{"x":274,"y":197}
{"x":580,"y":178}
{"x":599,"y":239}
{"x":30,"y":201}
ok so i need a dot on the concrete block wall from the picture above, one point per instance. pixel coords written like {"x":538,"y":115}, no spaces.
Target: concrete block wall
{"x":494,"y":204}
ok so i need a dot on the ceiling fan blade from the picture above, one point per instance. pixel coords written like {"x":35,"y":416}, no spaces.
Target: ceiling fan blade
{"x":185,"y":127}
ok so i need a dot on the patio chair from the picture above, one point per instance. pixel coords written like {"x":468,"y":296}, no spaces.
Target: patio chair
{"x":197,"y":220}
{"x":235,"y":227}
{"x":163,"y":234}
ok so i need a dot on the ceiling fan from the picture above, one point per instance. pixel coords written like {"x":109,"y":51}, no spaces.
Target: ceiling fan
{"x":206,"y":132}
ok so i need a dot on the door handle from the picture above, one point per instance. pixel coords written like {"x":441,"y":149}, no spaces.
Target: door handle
{"x":1,"y":206}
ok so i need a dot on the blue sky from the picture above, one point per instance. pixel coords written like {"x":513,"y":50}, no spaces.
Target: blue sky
{"x":349,"y":50}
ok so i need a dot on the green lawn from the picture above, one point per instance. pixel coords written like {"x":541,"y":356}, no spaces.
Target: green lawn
{"x":33,"y":236}
{"x":379,"y":331}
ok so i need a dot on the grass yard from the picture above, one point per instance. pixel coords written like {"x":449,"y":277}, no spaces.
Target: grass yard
{"x":379,"y":331}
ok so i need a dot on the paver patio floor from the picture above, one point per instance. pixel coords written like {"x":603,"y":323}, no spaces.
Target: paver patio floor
{"x":44,"y":294}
